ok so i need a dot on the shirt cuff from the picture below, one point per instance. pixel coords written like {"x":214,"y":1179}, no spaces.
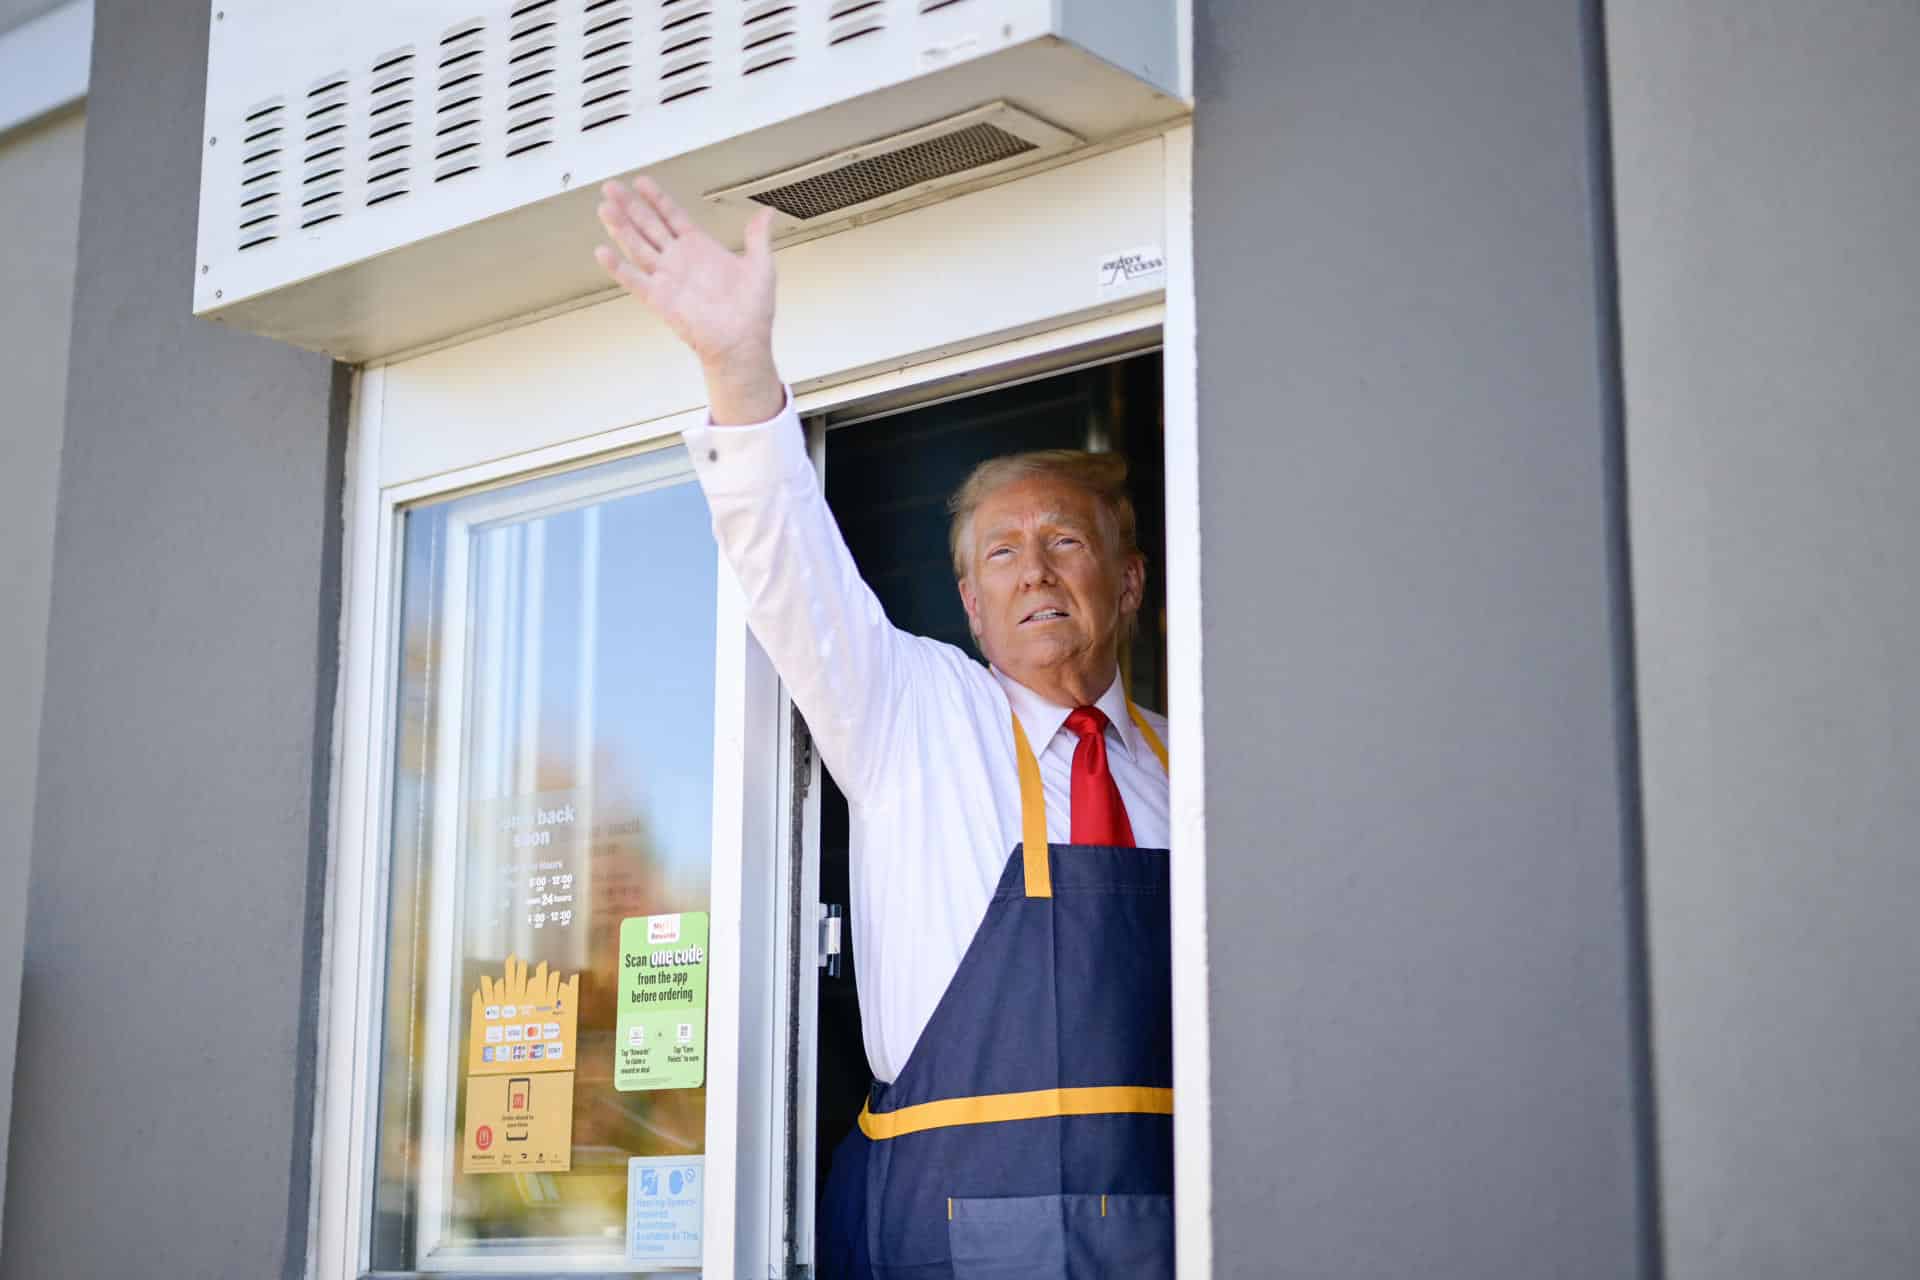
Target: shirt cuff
{"x":751,"y":458}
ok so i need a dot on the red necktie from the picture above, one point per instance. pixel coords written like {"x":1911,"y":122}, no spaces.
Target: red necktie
{"x":1099,"y":815}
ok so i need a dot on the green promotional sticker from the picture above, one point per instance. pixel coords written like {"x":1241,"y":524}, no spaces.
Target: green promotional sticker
{"x":660,"y":1035}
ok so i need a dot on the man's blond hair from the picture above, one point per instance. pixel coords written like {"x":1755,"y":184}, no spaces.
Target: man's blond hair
{"x":1104,"y":475}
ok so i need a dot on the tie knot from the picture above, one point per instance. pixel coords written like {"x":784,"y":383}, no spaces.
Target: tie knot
{"x":1088,"y":722}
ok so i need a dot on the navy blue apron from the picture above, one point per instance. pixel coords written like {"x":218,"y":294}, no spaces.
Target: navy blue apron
{"x":1030,"y":1134}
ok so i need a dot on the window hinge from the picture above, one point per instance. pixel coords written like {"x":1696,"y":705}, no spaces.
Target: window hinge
{"x":831,"y":917}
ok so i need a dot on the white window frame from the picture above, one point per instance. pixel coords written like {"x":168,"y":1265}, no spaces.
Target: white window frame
{"x":747,"y":795}
{"x":1025,"y":257}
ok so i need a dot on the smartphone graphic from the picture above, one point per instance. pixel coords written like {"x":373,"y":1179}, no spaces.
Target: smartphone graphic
{"x":519,"y":1103}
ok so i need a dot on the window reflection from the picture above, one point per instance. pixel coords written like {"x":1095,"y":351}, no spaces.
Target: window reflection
{"x":553,"y":751}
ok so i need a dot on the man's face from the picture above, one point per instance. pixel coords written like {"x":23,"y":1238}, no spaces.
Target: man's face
{"x":1048,"y":591}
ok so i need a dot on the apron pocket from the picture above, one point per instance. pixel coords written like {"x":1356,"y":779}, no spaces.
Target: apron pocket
{"x":1061,"y":1237}
{"x":1022,"y":1238}
{"x":1124,"y":1236}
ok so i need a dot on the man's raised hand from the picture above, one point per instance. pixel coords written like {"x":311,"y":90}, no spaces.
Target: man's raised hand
{"x":717,"y":302}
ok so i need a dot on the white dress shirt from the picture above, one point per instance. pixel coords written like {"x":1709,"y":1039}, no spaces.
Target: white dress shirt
{"x":917,"y":733}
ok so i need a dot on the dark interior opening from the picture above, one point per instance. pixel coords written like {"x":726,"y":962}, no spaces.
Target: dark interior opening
{"x":888,"y":481}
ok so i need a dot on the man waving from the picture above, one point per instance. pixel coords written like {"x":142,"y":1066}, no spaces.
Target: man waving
{"x":1009,"y":823}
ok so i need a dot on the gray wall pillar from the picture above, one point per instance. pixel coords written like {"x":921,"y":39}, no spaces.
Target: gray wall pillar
{"x":163,"y":1102}
{"x":1769,"y":180}
{"x":39,"y":206}
{"x":1422,"y":884}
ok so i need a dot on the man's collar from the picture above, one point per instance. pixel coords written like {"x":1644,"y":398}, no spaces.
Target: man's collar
{"x":1042,"y":718}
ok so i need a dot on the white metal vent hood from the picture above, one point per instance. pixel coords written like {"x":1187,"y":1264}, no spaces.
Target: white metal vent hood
{"x":383,"y":174}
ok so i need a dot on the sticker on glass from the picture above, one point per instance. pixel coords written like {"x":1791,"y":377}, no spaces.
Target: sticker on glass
{"x":660,"y":1032}
{"x":663,"y":1210}
{"x":519,"y":1124}
{"x":540,"y":994}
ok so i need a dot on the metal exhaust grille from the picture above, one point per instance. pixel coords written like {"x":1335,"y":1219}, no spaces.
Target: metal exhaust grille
{"x":323,"y":181}
{"x":532,"y":75}
{"x":390,"y":127}
{"x":263,"y":135}
{"x":770,"y":35}
{"x":686,"y":49}
{"x":851,"y":19}
{"x":879,"y":176}
{"x":606,"y":64}
{"x":459,"y":97}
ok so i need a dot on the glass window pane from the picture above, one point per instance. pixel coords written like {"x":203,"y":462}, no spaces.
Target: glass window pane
{"x":553,"y":759}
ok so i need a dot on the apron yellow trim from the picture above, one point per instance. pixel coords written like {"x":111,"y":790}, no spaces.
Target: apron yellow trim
{"x":1033,"y":802}
{"x":995,"y":1108}
{"x":1033,"y":817}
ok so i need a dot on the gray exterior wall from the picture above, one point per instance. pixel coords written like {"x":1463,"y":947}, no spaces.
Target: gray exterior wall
{"x":1420,"y":815}
{"x":39,"y":216}
{"x":1769,"y":195}
{"x":165,"y":1060}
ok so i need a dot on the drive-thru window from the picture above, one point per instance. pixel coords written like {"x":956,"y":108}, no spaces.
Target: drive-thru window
{"x":551,"y":755}
{"x":590,"y":1003}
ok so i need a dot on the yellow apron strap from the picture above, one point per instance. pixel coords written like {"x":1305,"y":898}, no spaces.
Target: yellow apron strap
{"x":1153,"y":739}
{"x":1033,"y":817}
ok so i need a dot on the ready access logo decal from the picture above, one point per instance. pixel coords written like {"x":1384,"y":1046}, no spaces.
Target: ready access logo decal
{"x":1138,"y":268}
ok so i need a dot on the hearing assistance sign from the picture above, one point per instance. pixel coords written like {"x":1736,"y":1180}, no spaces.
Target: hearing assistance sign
{"x":660,"y":1032}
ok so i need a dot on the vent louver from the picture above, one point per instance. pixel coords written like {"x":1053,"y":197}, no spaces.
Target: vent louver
{"x":875,"y":177}
{"x":263,"y":134}
{"x":606,"y":64}
{"x":323,"y":179}
{"x":532,"y":75}
{"x":390,"y":127}
{"x":851,"y":19}
{"x":770,"y":35}
{"x":928,"y":6}
{"x":459,"y":83}
{"x":686,"y":48}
